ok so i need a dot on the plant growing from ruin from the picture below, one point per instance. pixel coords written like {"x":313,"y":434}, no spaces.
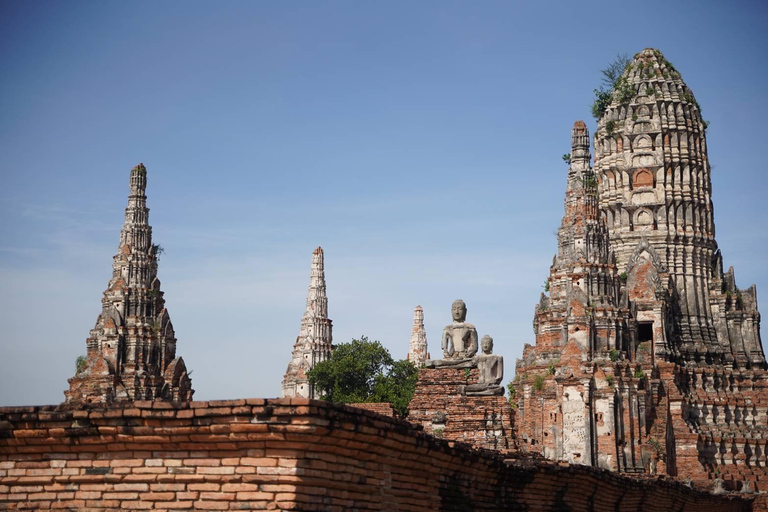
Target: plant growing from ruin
{"x":656,"y":446}
{"x":467,"y":371}
{"x":609,"y":379}
{"x":512,"y":393}
{"x":623,"y":277}
{"x":158,"y":250}
{"x":612,"y":75}
{"x":609,"y":126}
{"x":438,"y":432}
{"x":614,"y":355}
{"x":80,"y":363}
{"x":551,"y":368}
{"x":538,"y":383}
{"x":589,"y":180}
{"x":639,"y":373}
{"x":567,"y":158}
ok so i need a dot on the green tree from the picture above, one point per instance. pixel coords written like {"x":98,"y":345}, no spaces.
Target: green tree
{"x":397,"y":386}
{"x":364,"y":371}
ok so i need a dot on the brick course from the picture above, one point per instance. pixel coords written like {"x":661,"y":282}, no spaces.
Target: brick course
{"x":288,"y":454}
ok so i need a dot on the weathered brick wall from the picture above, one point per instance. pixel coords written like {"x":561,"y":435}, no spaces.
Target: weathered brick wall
{"x":384,"y":408}
{"x":288,"y":454}
{"x":437,"y":405}
{"x":719,"y":420}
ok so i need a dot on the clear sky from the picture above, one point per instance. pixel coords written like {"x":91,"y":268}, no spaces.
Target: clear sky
{"x":419,"y":143}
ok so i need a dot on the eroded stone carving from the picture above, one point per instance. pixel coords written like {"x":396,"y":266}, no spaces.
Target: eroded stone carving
{"x":490,"y":372}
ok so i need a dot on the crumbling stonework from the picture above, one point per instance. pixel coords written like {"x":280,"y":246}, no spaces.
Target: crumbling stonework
{"x":132,"y":349}
{"x":417,"y":350}
{"x":648,"y":358}
{"x":315,"y":341}
{"x":439,"y":406}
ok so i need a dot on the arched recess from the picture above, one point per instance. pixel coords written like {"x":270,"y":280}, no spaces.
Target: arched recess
{"x":643,"y":219}
{"x":642,"y":178}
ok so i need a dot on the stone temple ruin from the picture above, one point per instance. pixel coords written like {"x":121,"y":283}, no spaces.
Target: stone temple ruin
{"x":648,"y":358}
{"x":132,"y":349}
{"x":646,"y":389}
{"x":315,"y":341}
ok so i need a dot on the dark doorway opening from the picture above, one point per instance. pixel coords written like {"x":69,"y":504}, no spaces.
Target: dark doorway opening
{"x":644,"y":332}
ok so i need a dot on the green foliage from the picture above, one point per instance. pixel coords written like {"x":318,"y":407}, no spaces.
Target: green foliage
{"x":623,"y":277}
{"x":739,"y":300}
{"x":546,"y":285}
{"x":613,"y":71}
{"x":567,"y":158}
{"x":639,"y":373}
{"x":589,"y":180}
{"x":601,"y":103}
{"x":364,"y":371}
{"x":609,"y":127}
{"x":438,"y":432}
{"x":614,"y":355}
{"x":159,"y":249}
{"x":551,"y":368}
{"x":80,"y":363}
{"x":467,"y":371}
{"x":614,"y":81}
{"x":538,"y":383}
{"x":397,"y":386}
{"x":512,"y":392}
{"x":609,"y":379}
{"x":624,"y":90}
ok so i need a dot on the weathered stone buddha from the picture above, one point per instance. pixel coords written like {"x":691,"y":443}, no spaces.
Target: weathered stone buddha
{"x":459,"y":340}
{"x":490,"y":369}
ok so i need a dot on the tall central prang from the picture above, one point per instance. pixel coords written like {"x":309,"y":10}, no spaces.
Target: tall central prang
{"x":648,"y":358}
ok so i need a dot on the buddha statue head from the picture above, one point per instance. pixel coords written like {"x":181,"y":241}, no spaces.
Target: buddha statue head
{"x":486,"y":344}
{"x":459,"y":310}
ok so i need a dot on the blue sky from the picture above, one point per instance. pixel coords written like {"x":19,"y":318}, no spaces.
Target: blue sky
{"x":418,"y":142}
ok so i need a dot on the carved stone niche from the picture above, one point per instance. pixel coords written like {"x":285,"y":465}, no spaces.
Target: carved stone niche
{"x":642,"y":178}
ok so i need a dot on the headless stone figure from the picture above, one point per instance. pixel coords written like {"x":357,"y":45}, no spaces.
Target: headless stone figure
{"x":490,"y":368}
{"x":459,"y":341}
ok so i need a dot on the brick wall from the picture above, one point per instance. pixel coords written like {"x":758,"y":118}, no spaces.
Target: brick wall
{"x":384,"y":408}
{"x":288,"y":454}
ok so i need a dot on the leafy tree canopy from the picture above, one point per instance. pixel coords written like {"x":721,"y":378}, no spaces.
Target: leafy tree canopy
{"x":364,"y":371}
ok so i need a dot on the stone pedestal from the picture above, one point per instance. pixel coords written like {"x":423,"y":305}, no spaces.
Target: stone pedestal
{"x":438,"y":405}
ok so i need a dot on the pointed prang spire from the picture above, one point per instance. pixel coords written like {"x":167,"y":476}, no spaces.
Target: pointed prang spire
{"x":417,"y":352}
{"x":317,"y":302}
{"x":315,"y":341}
